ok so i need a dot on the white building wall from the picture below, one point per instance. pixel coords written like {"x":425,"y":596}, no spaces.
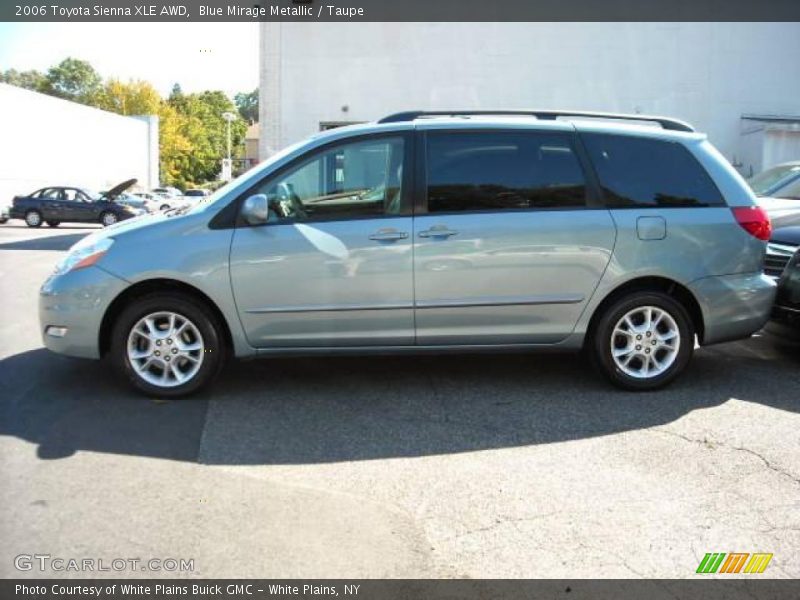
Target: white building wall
{"x":706,"y":73}
{"x":49,"y":141}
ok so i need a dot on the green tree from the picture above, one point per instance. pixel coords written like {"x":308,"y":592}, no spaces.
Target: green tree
{"x":200,"y":123}
{"x":247,"y":105}
{"x":30,"y":80}
{"x":75,"y":80}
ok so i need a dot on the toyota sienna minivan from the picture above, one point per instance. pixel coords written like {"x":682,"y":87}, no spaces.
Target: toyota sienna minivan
{"x":628,"y":237}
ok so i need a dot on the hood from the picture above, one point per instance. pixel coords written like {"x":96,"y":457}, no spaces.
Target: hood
{"x":785,"y":219}
{"x":121,"y":227}
{"x":787,"y":235}
{"x":118,"y":189}
{"x":779,"y":207}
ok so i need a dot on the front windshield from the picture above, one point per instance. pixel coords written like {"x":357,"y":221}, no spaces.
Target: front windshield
{"x":766,"y":180}
{"x":93,"y":196}
{"x":790,"y":192}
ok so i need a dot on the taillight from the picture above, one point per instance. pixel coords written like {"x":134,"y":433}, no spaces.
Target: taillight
{"x":754,"y":220}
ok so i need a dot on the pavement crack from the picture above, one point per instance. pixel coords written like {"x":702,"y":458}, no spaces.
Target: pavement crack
{"x":506,"y":520}
{"x":711,"y":444}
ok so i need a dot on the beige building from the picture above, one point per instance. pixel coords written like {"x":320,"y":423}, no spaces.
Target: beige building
{"x":251,"y":140}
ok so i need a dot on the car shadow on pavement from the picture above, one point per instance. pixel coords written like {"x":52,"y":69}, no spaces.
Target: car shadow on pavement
{"x":329,"y":409}
{"x":55,"y":242}
{"x":67,"y":405}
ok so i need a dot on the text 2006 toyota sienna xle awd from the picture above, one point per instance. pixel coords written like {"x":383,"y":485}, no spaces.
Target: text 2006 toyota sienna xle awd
{"x":433,"y":232}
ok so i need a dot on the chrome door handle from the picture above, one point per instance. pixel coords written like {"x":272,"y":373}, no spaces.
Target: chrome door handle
{"x":437,"y":231}
{"x":388,"y":236}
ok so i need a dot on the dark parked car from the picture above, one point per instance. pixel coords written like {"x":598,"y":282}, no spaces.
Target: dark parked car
{"x":783,"y":261}
{"x":55,"y":205}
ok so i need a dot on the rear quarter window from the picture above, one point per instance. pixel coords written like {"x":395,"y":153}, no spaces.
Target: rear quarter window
{"x":640,"y":172}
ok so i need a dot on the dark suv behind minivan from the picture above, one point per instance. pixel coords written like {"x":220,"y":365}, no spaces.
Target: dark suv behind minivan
{"x":628,"y":236}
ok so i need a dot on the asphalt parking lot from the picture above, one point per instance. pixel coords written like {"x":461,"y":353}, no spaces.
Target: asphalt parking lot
{"x":459,"y":466}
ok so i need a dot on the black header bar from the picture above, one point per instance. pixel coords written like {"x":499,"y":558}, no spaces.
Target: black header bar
{"x":399,"y":10}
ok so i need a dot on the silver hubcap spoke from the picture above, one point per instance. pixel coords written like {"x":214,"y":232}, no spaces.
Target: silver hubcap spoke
{"x":165,"y":349}
{"x":645,"y":342}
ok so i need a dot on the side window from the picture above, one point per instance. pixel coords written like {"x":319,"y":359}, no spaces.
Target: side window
{"x":496,"y":171}
{"x":359,"y":179}
{"x":51,"y":194}
{"x":70,"y":195}
{"x":646,"y":172}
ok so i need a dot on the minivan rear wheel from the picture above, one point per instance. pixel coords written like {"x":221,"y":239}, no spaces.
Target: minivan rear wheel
{"x":643,"y":341}
{"x":167,"y":345}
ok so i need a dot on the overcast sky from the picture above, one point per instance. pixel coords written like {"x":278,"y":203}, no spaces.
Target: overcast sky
{"x":199,"y":56}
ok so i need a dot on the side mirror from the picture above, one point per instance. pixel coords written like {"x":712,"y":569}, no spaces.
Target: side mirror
{"x":255,"y":209}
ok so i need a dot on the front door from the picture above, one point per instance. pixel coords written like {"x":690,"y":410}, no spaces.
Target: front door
{"x":78,"y":206}
{"x":509,"y":249}
{"x":333,"y":264}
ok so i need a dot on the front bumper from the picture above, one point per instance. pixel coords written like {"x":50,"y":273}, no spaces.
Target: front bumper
{"x":734,"y":306}
{"x":73,"y":305}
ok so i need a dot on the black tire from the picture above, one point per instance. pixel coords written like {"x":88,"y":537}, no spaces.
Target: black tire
{"x":33,"y":218}
{"x":601,"y":340}
{"x":53,"y":223}
{"x":211,"y":330}
{"x":108,"y":218}
{"x":164,"y":207}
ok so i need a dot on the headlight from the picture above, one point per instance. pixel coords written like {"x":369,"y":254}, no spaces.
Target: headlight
{"x":83,"y":255}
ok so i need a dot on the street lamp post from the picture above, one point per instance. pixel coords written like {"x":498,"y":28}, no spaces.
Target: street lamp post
{"x":229,"y":116}
{"x":227,"y":170}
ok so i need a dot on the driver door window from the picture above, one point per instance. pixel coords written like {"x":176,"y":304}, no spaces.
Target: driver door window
{"x":355,"y":180}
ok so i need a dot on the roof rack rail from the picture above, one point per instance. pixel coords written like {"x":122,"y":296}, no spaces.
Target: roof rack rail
{"x":666,"y":123}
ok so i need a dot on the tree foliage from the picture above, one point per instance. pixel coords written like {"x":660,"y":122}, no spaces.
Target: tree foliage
{"x":247,"y":104}
{"x":200,"y":128}
{"x":129,"y":98}
{"x":30,"y":80}
{"x":74,"y":80}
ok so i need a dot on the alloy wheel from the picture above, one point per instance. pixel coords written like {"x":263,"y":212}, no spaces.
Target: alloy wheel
{"x":645,"y":342}
{"x":165,"y":349}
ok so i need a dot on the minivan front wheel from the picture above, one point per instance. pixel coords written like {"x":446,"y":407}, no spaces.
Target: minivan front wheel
{"x":167,"y":345}
{"x":643,"y":341}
